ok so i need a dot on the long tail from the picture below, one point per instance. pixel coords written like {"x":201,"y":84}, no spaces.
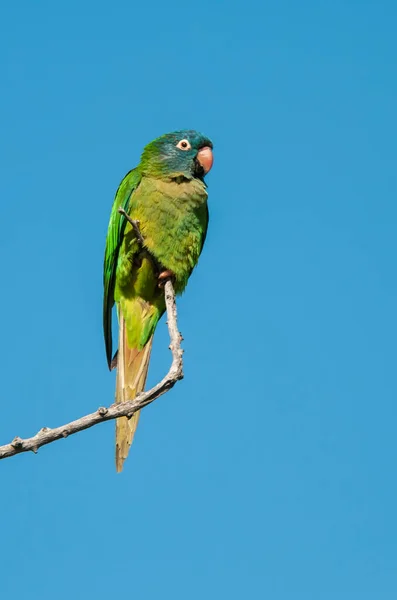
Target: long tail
{"x":132,"y":368}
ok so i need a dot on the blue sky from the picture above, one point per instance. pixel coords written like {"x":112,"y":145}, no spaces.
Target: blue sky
{"x":270,"y":471}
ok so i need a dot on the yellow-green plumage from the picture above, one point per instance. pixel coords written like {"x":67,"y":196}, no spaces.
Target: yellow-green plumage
{"x":166,"y":194}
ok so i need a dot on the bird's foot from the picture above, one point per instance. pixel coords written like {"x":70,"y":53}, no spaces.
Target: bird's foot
{"x":164,"y":276}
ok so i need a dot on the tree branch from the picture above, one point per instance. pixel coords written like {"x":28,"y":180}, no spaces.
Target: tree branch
{"x":125,"y":409}
{"x":134,"y":224}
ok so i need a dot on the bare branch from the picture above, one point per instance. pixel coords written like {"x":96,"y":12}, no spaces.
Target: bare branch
{"x":124,"y":409}
{"x":134,"y":224}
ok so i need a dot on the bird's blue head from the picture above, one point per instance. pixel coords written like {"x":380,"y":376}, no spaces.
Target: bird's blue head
{"x":185,"y":152}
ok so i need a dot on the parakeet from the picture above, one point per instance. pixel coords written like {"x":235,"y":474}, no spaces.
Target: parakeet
{"x":167,"y":196}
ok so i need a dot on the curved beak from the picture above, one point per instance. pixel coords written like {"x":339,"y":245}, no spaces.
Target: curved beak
{"x":205,"y":158}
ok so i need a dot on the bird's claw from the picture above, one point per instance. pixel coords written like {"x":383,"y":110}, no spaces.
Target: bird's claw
{"x":164,"y":276}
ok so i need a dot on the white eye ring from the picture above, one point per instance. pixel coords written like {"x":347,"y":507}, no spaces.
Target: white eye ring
{"x":184,"y":145}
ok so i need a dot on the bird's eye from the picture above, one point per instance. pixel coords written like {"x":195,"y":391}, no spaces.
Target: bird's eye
{"x":183,"y":145}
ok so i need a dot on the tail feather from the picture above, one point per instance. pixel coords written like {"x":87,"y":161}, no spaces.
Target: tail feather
{"x":132,"y":368}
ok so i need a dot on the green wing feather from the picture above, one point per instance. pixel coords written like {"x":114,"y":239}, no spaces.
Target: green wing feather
{"x":113,"y":242}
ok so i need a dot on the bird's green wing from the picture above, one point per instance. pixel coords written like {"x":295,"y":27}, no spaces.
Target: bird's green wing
{"x":113,"y":241}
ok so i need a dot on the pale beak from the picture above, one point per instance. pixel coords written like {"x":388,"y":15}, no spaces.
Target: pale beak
{"x":205,"y":158}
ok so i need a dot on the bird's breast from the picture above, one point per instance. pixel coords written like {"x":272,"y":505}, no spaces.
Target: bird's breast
{"x":173,"y":220}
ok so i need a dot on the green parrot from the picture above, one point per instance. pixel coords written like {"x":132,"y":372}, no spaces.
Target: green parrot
{"x":166,"y":195}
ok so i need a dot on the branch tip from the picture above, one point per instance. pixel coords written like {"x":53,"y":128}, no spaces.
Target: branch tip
{"x":134,"y":224}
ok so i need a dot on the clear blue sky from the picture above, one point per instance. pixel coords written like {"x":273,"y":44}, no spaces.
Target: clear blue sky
{"x":271,"y":470}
